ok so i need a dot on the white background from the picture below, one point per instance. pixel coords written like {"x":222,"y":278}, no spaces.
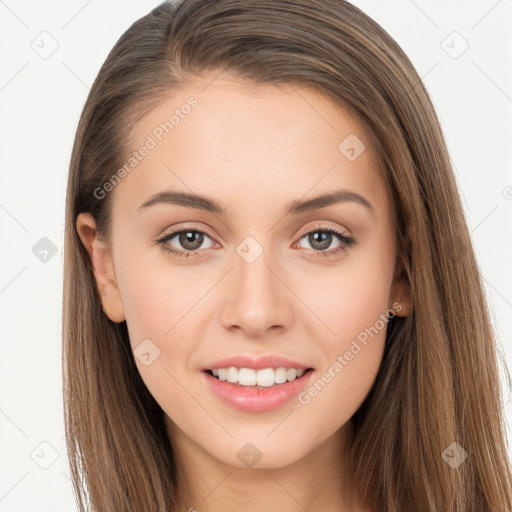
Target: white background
{"x":40,"y":103}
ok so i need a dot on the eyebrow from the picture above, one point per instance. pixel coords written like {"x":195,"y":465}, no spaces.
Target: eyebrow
{"x":294,"y":208}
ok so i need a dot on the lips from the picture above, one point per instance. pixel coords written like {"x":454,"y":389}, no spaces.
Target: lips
{"x":256,"y":399}
{"x":257,"y":363}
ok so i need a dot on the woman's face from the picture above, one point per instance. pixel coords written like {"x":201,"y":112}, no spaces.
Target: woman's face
{"x":270,"y":268}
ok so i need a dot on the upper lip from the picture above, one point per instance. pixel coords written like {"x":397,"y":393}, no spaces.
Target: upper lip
{"x":257,"y":363}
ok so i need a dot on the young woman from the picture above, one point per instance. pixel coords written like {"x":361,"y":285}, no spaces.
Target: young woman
{"x":271,"y":300}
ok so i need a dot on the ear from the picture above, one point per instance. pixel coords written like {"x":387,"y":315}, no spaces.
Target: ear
{"x":400,"y":296}
{"x":100,"y":255}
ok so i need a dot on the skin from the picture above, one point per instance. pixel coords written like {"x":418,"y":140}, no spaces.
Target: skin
{"x":254,"y":150}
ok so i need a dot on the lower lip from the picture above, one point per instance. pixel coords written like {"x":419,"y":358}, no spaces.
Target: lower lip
{"x":250,"y":399}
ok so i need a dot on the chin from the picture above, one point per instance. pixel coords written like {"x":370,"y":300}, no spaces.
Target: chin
{"x":259,"y":453}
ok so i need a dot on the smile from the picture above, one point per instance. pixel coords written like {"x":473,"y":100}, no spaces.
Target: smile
{"x":251,"y":390}
{"x":266,"y":377}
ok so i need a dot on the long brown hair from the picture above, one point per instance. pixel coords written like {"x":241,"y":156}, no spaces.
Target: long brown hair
{"x":438,"y":383}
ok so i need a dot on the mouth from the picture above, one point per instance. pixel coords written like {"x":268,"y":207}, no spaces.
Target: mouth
{"x":258,"y":379}
{"x":256,"y":391}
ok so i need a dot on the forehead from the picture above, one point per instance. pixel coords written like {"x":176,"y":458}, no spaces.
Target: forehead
{"x":230,"y":139}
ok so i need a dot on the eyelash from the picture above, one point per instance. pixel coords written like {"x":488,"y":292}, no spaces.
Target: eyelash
{"x":346,"y":242}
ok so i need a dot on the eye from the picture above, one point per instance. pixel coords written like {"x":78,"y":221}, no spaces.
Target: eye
{"x":191,"y":240}
{"x":320,"y":239}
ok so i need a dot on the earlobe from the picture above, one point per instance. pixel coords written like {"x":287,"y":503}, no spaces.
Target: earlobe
{"x":401,"y":301}
{"x":100,"y":255}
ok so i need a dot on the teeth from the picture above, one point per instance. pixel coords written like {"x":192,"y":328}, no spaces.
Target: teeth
{"x":248,"y":377}
{"x":263,"y":378}
{"x":291,"y":374}
{"x":232,"y":375}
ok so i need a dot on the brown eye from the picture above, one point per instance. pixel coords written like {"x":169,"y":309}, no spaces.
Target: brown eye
{"x":187,"y":242}
{"x":320,"y":240}
{"x":190,"y":240}
{"x":323,"y":241}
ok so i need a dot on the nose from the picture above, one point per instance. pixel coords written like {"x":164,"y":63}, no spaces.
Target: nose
{"x":256,"y":298}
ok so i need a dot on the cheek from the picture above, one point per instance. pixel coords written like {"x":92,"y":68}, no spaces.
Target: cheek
{"x":157,"y":296}
{"x":345,"y":301}
{"x":353,"y":305}
{"x":156,"y":315}
{"x":357,"y":303}
{"x":162,"y":308}
{"x":147,"y":303}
